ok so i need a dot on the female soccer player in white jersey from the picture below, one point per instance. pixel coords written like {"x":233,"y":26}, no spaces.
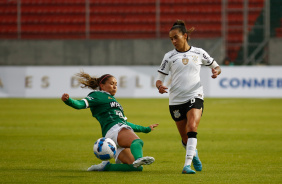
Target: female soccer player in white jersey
{"x":186,"y":91}
{"x":114,"y":124}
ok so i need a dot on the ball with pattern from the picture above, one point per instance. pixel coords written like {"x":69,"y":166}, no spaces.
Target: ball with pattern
{"x":104,"y":148}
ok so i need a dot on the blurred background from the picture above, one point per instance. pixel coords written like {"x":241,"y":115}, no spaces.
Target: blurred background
{"x":43,"y":43}
{"x":135,"y":32}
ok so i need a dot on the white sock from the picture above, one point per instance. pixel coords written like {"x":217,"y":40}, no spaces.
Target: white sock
{"x":190,"y":150}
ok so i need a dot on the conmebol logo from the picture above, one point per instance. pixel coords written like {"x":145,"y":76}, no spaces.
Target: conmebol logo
{"x":251,"y":83}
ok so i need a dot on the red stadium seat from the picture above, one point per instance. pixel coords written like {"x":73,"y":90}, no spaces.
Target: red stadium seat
{"x":125,"y":18}
{"x":279,"y":32}
{"x":235,"y":22}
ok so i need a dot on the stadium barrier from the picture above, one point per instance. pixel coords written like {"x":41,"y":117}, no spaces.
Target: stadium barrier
{"x":136,"y":81}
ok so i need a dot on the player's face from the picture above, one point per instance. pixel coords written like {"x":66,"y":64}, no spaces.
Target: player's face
{"x":178,"y":39}
{"x":110,"y":86}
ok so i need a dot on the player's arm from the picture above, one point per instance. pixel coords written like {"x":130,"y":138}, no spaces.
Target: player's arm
{"x":210,"y":62}
{"x":139,"y":128}
{"x":163,"y":71}
{"x":159,"y":83}
{"x":77,"y":104}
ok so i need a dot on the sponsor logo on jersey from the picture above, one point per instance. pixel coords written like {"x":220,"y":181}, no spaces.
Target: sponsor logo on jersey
{"x":173,"y":54}
{"x":195,"y":52}
{"x":176,"y":114}
{"x":205,"y":56}
{"x":90,"y":98}
{"x":116,"y":104}
{"x":185,"y":61}
{"x":164,"y":64}
{"x":110,"y":98}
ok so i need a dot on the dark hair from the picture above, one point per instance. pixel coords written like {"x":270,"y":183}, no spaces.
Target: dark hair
{"x":92,"y":82}
{"x":180,"y":25}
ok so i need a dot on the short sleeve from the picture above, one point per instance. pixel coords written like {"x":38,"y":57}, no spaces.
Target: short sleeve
{"x":164,"y":67}
{"x":206,"y":58}
{"x":92,"y":100}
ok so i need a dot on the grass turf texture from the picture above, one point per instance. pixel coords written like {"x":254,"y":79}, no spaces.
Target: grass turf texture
{"x":43,"y":140}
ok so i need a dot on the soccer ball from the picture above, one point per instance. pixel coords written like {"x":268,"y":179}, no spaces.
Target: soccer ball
{"x":105,"y":148}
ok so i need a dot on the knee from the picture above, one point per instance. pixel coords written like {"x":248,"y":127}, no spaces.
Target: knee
{"x":192,"y":127}
{"x":137,"y":142}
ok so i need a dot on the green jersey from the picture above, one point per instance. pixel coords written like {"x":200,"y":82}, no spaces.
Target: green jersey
{"x":105,"y":108}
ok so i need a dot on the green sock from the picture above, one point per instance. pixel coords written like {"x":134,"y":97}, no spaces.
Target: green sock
{"x":136,"y":148}
{"x":122,"y":167}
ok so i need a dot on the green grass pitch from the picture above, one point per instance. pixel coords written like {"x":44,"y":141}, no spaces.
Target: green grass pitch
{"x":45,"y":141}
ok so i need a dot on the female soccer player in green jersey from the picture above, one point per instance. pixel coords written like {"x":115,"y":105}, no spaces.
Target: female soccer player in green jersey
{"x":114,"y":124}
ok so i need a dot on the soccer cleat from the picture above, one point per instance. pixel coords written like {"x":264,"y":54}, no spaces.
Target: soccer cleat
{"x":196,"y":162}
{"x":99,"y":167}
{"x":143,"y":161}
{"x":187,"y":170}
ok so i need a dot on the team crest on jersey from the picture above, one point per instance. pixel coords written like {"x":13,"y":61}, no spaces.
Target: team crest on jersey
{"x":185,"y":61}
{"x":176,"y":114}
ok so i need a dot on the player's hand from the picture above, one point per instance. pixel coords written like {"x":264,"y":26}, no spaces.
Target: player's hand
{"x":153,"y":126}
{"x":162,"y":89}
{"x":65,"y":97}
{"x":215,"y":73}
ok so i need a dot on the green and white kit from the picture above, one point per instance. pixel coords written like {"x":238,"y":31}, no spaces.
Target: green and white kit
{"x":105,"y":108}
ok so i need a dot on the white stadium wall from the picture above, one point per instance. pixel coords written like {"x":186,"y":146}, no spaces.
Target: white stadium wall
{"x":136,"y":81}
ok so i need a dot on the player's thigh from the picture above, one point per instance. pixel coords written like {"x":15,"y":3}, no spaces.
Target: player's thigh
{"x":126,"y":156}
{"x":125,"y":137}
{"x":178,"y":114}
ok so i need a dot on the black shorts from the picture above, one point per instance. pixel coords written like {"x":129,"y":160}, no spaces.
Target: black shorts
{"x":178,"y":112}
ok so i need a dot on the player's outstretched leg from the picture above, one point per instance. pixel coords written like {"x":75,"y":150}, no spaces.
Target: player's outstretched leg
{"x":99,"y":167}
{"x":196,"y":162}
{"x":107,"y":166}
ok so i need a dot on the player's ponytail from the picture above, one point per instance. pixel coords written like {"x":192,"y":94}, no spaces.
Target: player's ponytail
{"x":180,"y":24}
{"x":91,"y":82}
